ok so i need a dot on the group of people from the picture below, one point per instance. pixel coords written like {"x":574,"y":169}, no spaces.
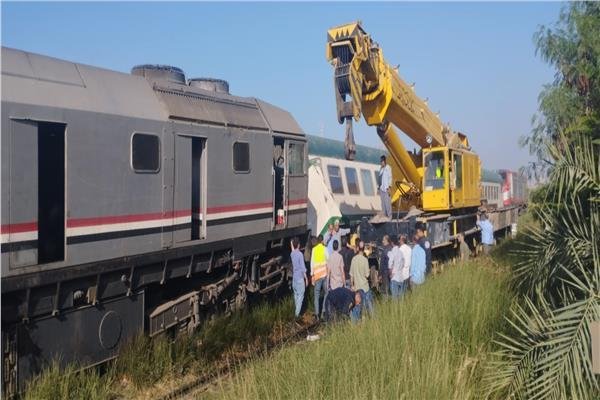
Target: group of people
{"x":342,"y":278}
{"x":402,"y":266}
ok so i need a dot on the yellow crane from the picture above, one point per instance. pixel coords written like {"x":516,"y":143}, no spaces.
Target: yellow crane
{"x":444,"y":176}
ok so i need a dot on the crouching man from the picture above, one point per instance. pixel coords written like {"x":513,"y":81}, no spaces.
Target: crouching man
{"x":342,"y":303}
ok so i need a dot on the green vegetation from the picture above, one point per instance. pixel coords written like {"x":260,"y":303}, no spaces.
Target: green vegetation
{"x":59,"y":383}
{"x":148,"y":365}
{"x":431,"y":346}
{"x":546,"y":350}
{"x":569,"y":106}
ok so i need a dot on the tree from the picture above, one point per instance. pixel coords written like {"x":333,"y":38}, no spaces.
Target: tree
{"x":546,"y":352}
{"x":570,"y":104}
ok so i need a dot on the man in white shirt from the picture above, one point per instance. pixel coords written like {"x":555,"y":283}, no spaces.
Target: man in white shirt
{"x":385,"y":179}
{"x":406,"y":251}
{"x":396,"y":267}
{"x":334,"y":233}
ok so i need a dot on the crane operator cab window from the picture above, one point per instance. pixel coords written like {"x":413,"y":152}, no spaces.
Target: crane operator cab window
{"x":434,"y":170}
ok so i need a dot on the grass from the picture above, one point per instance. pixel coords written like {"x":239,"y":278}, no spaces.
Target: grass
{"x":67,"y":383}
{"x":432,"y":345}
{"x":146,"y":366}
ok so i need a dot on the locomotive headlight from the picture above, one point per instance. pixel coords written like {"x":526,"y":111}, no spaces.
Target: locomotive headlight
{"x":429,"y":139}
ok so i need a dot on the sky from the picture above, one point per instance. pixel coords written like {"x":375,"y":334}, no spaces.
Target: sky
{"x":475,"y":62}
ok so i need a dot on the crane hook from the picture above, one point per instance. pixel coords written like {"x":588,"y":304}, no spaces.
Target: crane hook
{"x":349,"y":144}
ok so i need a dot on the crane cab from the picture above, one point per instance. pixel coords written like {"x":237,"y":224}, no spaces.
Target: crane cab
{"x":450,"y":179}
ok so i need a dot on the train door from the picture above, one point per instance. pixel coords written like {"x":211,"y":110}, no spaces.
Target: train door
{"x":456,"y":180}
{"x":279,"y":183}
{"x":297,"y":183}
{"x":36,"y":232}
{"x":189,"y":189}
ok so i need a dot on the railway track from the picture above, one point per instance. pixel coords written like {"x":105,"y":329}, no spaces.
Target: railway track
{"x":205,"y":381}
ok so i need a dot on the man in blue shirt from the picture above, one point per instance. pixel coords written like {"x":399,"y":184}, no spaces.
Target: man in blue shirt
{"x":425,"y":245}
{"x":417,"y":265}
{"x":487,"y":233}
{"x":299,"y":279}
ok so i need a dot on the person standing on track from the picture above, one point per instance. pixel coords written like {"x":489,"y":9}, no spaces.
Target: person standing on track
{"x":299,"y":278}
{"x":318,"y":273}
{"x":385,"y":179}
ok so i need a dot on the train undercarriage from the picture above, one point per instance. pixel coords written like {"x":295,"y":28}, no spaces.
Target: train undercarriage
{"x":85,"y":319}
{"x":442,"y":230}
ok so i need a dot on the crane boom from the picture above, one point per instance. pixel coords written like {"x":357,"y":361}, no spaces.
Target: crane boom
{"x":365,"y":84}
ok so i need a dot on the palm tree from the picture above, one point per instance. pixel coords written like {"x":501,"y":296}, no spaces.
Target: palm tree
{"x":546,"y":352}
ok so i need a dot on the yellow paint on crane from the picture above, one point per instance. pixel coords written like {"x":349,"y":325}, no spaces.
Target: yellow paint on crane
{"x":446,"y":176}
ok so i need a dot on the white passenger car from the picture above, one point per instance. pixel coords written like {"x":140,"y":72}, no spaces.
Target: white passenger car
{"x":338,"y":188}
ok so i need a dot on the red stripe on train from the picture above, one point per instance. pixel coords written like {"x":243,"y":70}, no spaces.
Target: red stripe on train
{"x":238,"y":207}
{"x":297,"y":201}
{"x":18,"y":228}
{"x":117,"y":219}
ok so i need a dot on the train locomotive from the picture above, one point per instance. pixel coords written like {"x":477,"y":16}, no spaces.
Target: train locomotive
{"x":135,"y":203}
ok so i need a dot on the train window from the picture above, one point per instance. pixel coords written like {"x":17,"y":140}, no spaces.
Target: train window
{"x":145,"y":152}
{"x":241,"y":157}
{"x":367,"y":182}
{"x":296,"y":159}
{"x":335,"y":179}
{"x":352,"y":180}
{"x":434,"y":173}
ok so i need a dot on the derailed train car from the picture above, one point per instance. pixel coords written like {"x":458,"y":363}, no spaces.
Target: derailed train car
{"x":134,"y":203}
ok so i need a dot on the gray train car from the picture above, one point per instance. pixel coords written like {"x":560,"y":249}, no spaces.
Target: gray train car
{"x":135,"y":203}
{"x":491,"y":189}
